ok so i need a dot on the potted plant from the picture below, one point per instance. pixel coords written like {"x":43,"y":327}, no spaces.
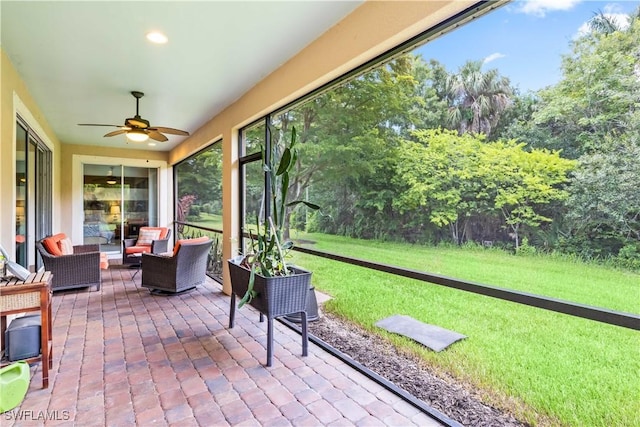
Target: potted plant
{"x":263,"y":277}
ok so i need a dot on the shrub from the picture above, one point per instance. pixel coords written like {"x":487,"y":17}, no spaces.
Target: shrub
{"x":629,"y":256}
{"x":525,"y":248}
{"x":194,"y":211}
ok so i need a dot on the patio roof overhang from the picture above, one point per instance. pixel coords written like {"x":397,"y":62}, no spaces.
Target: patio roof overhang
{"x":339,"y":49}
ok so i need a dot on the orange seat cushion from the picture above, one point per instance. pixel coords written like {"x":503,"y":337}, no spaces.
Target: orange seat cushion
{"x":104,"y":261}
{"x":181,"y":242}
{"x":51,"y":244}
{"x":138,"y":249}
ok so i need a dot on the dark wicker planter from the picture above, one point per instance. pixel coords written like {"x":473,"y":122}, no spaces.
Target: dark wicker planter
{"x":276,"y":297}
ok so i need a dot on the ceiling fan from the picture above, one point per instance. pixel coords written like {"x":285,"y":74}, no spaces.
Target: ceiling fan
{"x":138,"y":129}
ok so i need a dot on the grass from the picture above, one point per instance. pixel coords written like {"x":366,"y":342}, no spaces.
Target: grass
{"x":546,"y":367}
{"x":208,"y":220}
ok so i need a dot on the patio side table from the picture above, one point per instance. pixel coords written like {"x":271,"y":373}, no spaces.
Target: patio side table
{"x":32,"y":294}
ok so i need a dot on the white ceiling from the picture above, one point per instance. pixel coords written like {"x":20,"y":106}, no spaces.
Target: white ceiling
{"x":81,"y":60}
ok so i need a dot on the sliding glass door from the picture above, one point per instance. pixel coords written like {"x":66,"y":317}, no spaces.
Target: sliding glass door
{"x":118,"y":200}
{"x":33,"y":203}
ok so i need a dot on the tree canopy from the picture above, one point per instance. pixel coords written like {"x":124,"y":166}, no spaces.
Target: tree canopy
{"x":412,"y":151}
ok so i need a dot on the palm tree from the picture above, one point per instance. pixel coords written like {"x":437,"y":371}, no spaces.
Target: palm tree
{"x":606,"y":23}
{"x":476,"y":98}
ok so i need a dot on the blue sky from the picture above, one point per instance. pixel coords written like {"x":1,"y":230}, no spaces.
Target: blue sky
{"x":524,"y":40}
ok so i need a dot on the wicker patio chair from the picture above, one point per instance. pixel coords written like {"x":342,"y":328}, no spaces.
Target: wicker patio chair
{"x":134,"y":245}
{"x":182,"y":270}
{"x":78,"y":270}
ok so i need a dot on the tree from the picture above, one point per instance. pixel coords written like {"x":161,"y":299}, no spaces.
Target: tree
{"x":593,"y":115}
{"x":430,"y":109}
{"x":519,"y":182}
{"x":599,"y":92}
{"x":517,"y":123}
{"x":476,"y":98}
{"x":605,"y":201}
{"x":604,"y":23}
{"x":455,"y":177}
{"x":348,"y":136}
{"x":438,"y":171}
{"x":201,"y":176}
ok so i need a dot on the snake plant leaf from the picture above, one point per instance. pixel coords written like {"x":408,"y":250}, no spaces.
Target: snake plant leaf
{"x":294,"y":139}
{"x":285,"y":162}
{"x":266,"y":270}
{"x":251,"y":293}
{"x":304,"y":202}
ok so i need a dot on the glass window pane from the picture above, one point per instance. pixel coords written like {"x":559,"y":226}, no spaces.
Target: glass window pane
{"x":102,"y":206}
{"x":21,"y":195}
{"x":199,"y":202}
{"x":253,"y":201}
{"x":253,"y":138}
{"x":33,"y":201}
{"x":118,"y":200}
{"x":199,"y":188}
{"x":139,"y":198}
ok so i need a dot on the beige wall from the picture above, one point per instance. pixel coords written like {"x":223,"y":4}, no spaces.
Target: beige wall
{"x":16,"y":98}
{"x":370,"y":30}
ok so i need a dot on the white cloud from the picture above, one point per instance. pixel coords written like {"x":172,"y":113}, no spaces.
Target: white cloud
{"x":582,"y":31}
{"x":493,"y":57}
{"x":539,"y":8}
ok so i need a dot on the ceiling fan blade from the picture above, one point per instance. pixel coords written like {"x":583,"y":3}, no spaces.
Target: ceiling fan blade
{"x":154,"y":134}
{"x":138,"y":125}
{"x":117,"y":132}
{"x":170,"y":131}
{"x":94,"y":124}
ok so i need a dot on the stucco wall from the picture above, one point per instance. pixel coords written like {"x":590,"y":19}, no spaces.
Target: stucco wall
{"x":15,"y":97}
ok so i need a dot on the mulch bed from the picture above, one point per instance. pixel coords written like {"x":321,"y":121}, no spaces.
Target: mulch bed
{"x":409,"y":373}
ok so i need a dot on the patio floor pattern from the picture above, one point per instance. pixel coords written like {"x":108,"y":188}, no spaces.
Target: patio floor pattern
{"x":124,"y":357}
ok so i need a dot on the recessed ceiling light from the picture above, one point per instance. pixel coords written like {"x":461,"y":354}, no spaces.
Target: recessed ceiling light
{"x":151,"y":144}
{"x":157,"y":37}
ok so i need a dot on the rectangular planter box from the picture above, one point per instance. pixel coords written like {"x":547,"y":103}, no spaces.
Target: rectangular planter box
{"x":277,"y":296}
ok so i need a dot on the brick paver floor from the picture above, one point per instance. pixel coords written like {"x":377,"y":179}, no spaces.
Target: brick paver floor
{"x":124,"y":357}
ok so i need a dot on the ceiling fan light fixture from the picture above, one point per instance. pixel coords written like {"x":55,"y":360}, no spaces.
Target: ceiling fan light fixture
{"x":110,"y":178}
{"x":157,"y":37}
{"x":137,"y":135}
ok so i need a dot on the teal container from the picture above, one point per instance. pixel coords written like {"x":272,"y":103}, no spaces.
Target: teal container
{"x":14,"y":383}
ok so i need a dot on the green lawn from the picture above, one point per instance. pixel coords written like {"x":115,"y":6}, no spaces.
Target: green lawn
{"x":542,"y":365}
{"x":208,"y":220}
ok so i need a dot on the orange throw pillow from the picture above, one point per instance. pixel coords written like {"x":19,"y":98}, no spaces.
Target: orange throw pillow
{"x":51,"y":244}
